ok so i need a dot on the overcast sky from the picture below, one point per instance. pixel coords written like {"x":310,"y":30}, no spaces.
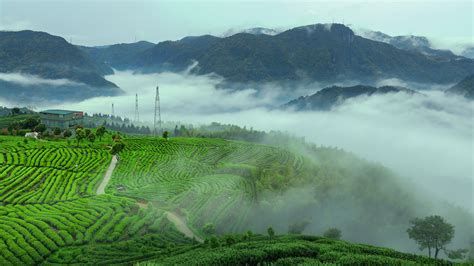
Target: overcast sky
{"x":111,"y":21}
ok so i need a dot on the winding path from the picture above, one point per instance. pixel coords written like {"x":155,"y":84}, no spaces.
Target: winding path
{"x":181,"y":226}
{"x":108,"y":175}
{"x":173,"y":217}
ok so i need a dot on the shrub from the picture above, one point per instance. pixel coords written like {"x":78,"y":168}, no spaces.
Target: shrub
{"x":333,"y":233}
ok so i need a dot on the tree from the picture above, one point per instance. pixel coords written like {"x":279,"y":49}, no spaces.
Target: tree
{"x":214,"y":242}
{"x":298,"y":227}
{"x":271,"y":232}
{"x":458,"y":254}
{"x":332,"y":233}
{"x":165,"y":135}
{"x":230,"y":240}
{"x":67,"y":133}
{"x":40,"y":128}
{"x":100,"y":131}
{"x":80,"y":135}
{"x":431,"y":232}
{"x":117,"y":148}
{"x":15,"y":111}
{"x":209,"y":229}
{"x":87,"y":132}
{"x":57,"y":131}
{"x":91,"y":137}
{"x":116,"y":137}
{"x":176,"y":131}
{"x":13,"y":126}
{"x":30,"y":123}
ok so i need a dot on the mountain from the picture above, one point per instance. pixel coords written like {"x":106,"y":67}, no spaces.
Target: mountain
{"x":468,"y":52}
{"x":464,"y":88}
{"x":419,"y":44}
{"x":254,"y":31}
{"x":175,"y":55}
{"x":118,"y":56}
{"x":330,"y":97}
{"x":40,"y":65}
{"x":322,"y":52}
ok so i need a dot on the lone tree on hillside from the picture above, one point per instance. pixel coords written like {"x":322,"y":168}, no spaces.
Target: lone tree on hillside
{"x":57,"y":131}
{"x":165,"y":135}
{"x":100,"y":131}
{"x":332,"y":233}
{"x":91,"y":137}
{"x":80,"y":135}
{"x":67,"y":133}
{"x":431,"y":232}
{"x":41,"y":128}
{"x":298,"y":227}
{"x":271,"y":232}
{"x":117,"y":148}
{"x":209,"y":229}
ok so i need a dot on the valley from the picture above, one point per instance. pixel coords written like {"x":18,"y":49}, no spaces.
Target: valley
{"x":148,"y":133}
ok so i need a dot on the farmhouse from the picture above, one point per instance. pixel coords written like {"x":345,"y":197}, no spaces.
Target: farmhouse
{"x":61,"y":118}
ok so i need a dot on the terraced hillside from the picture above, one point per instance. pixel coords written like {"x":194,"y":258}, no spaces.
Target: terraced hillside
{"x":50,"y":212}
{"x":206,"y":180}
{"x":48,"y":202}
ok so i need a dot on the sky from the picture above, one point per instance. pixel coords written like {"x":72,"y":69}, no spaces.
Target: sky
{"x":102,"y":22}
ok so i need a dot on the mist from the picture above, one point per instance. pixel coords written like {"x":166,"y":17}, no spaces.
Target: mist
{"x":425,"y":138}
{"x":28,"y":80}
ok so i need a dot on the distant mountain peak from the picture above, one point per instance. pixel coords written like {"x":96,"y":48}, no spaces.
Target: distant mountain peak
{"x":253,"y":31}
{"x":420,"y":44}
{"x":330,"y":97}
{"x":464,"y":88}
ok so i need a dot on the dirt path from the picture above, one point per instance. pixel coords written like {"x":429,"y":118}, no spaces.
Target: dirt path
{"x":173,"y":217}
{"x":108,"y":175}
{"x":181,"y":226}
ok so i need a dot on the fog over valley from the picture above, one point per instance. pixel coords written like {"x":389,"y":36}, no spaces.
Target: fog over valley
{"x":426,"y":138}
{"x":236,"y":132}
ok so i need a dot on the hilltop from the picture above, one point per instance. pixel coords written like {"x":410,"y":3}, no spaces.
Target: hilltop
{"x":419,"y":44}
{"x":37,"y":64}
{"x":464,"y":88}
{"x":319,"y":52}
{"x":330,"y":97}
{"x":119,"y":56}
{"x":322,"y":52}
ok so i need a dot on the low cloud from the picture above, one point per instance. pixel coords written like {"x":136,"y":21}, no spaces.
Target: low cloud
{"x":30,"y":80}
{"x":426,"y":138}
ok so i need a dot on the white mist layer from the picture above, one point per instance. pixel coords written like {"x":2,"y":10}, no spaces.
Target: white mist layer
{"x":426,"y":138}
{"x":29,"y":80}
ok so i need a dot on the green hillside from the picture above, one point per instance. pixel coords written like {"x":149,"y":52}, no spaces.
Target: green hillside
{"x":163,"y":192}
{"x":289,"y":250}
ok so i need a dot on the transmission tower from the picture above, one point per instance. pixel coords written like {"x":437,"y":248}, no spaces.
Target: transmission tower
{"x":137,"y":117}
{"x":157,"y":112}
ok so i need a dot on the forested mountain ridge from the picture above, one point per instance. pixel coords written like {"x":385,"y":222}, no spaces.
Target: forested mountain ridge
{"x":119,"y":56}
{"x":323,"y":52}
{"x":50,"y":57}
{"x":330,"y":97}
{"x":419,"y":44}
{"x":464,"y":88}
{"x":39,"y":66}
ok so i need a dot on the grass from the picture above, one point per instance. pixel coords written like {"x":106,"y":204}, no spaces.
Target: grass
{"x":50,"y":213}
{"x":288,"y":250}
